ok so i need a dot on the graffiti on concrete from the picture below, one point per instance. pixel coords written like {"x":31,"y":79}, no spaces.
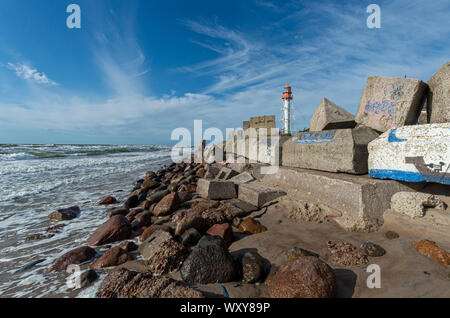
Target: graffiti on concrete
{"x":388,"y":107}
{"x":317,"y":137}
{"x":430,"y":172}
{"x":393,"y":138}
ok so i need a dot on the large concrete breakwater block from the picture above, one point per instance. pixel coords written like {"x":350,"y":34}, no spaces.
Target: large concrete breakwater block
{"x":439,"y":95}
{"x":412,"y":153}
{"x":216,"y":189}
{"x":330,"y":116}
{"x":258,"y":195}
{"x":360,"y":200}
{"x":389,"y":102}
{"x":343,"y":150}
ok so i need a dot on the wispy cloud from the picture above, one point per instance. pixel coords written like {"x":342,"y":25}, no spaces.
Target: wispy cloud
{"x":31,"y":74}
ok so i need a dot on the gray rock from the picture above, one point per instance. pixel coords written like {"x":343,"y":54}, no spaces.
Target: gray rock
{"x":372,"y":249}
{"x":389,"y":102}
{"x":88,"y":277}
{"x":439,"y":95}
{"x":132,"y":202}
{"x":191,"y":237}
{"x":252,"y":267}
{"x":209,"y":262}
{"x":216,"y":189}
{"x":330,"y":116}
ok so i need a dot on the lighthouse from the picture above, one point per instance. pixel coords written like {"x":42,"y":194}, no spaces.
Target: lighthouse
{"x":287,"y":98}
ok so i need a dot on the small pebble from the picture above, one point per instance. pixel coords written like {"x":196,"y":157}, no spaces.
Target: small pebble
{"x":391,"y":235}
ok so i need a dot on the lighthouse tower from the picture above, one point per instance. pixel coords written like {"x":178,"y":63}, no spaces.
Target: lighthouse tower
{"x":287,"y":98}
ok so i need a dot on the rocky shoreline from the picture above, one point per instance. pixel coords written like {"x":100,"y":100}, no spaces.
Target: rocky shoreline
{"x":180,"y":232}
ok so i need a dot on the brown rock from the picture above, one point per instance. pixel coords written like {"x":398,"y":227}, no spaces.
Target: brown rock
{"x":167,"y":205}
{"x":150,"y":175}
{"x":133,"y":213}
{"x":144,"y":218}
{"x":55,"y":229}
{"x":77,"y":256}
{"x":113,"y":257}
{"x":65,"y":214}
{"x":214,"y":216}
{"x":129,"y":246}
{"x":191,"y":220}
{"x":118,"y":211}
{"x":149,"y":184}
{"x":107,"y":201}
{"x":431,"y":250}
{"x":222,"y":230}
{"x":250,"y":225}
{"x":115,"y":229}
{"x":306,"y":277}
{"x":153,"y":229}
{"x":37,"y":237}
{"x":124,"y":283}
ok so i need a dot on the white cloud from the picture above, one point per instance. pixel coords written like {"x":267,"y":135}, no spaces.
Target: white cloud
{"x":28,"y":73}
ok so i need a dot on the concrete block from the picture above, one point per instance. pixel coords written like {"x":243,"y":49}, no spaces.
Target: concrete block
{"x":439,"y":95}
{"x":389,"y":102}
{"x":198,"y":152}
{"x":412,"y":153}
{"x":216,"y":189}
{"x":226,"y":173}
{"x":415,"y":204}
{"x":258,"y":195}
{"x":360,"y":200}
{"x":213,"y":153}
{"x":343,"y":150}
{"x":244,"y":177}
{"x":330,"y":116}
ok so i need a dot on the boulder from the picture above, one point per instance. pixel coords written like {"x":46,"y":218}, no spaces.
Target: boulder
{"x":191,"y":220}
{"x":77,"y":256}
{"x":252,"y":267}
{"x":330,"y":116}
{"x":223,"y":230}
{"x":216,"y":189}
{"x":258,"y":195}
{"x":153,"y":229}
{"x":389,"y":102}
{"x":415,"y":204}
{"x":431,"y":250}
{"x":113,"y":257}
{"x":439,"y":95}
{"x":132,"y":202}
{"x":412,"y":153}
{"x":129,"y":246}
{"x":65,"y":214}
{"x":88,"y":277}
{"x":167,"y":205}
{"x":306,"y":277}
{"x":191,"y":237}
{"x":118,"y":211}
{"x":124,"y":283}
{"x":107,"y":201}
{"x":162,"y":253}
{"x":115,"y":229}
{"x":250,"y":225}
{"x":343,"y":150}
{"x":149,"y":184}
{"x":209,"y":262}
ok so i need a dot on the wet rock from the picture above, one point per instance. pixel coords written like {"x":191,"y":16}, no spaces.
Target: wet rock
{"x":209,"y":262}
{"x":124,"y":283}
{"x":306,"y":277}
{"x":132,"y":202}
{"x":117,"y":228}
{"x":153,"y":229}
{"x":167,"y":205}
{"x":252,"y":267}
{"x":88,"y":277}
{"x":346,"y":254}
{"x":132,"y":214}
{"x":431,"y":250}
{"x":55,"y":229}
{"x":252,"y":226}
{"x":65,"y":214}
{"x":118,"y":211}
{"x":37,"y":237}
{"x":113,"y":257}
{"x":372,"y":249}
{"x":296,"y":252}
{"x":172,"y":187}
{"x":149,"y":184}
{"x":223,"y":230}
{"x":156,"y":196}
{"x":77,"y":256}
{"x":162,"y":253}
{"x":129,"y":246}
{"x":150,"y":175}
{"x":107,"y":201}
{"x":191,"y":237}
{"x":391,"y":235}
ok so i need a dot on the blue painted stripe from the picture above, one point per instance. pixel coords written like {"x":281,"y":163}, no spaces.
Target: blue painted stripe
{"x":393,"y":138}
{"x":406,"y":176}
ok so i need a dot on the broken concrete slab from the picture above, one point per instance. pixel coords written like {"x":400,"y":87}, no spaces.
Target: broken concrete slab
{"x":330,"y":116}
{"x":439,"y":95}
{"x":412,"y":153}
{"x":389,"y":102}
{"x":216,"y":189}
{"x":343,"y":150}
{"x":258,"y":195}
{"x":361,"y":200}
{"x":226,"y":173}
{"x":244,"y":177}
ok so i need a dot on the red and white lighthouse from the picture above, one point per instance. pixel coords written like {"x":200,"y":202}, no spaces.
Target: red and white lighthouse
{"x":287,"y":98}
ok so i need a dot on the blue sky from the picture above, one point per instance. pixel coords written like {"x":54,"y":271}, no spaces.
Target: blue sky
{"x":136,"y":70}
